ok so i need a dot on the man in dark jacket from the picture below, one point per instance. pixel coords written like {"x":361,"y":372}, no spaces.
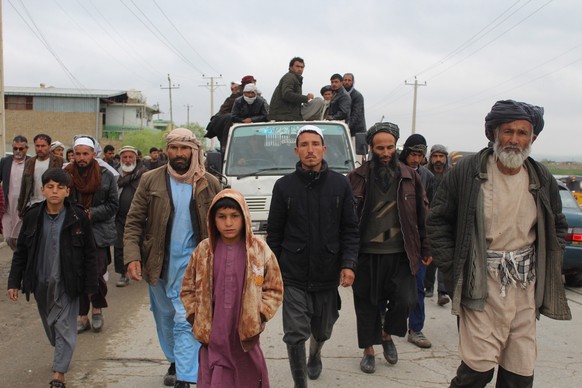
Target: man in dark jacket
{"x":438,"y":164}
{"x":312,"y":229}
{"x":357,"y":121}
{"x":93,"y":187}
{"x":497,"y":230}
{"x":11,"y":170}
{"x":249,"y":108}
{"x":341,"y":103}
{"x":288,"y":96}
{"x":55,"y":260}
{"x":413,"y":153}
{"x":392,"y":206}
{"x":130,"y":172}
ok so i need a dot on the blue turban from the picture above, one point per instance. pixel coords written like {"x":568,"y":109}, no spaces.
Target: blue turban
{"x":505,"y":111}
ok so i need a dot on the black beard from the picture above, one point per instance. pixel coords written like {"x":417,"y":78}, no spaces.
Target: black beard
{"x":181,"y":168}
{"x":391,"y":164}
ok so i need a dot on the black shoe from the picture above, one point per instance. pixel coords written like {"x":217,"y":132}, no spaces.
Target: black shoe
{"x":428,"y":293}
{"x":368,"y":363}
{"x":314,"y":364}
{"x":181,"y":384}
{"x":57,"y":384}
{"x":390,"y":352}
{"x":170,"y":376}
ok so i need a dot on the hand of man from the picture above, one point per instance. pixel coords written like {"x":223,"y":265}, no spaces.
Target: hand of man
{"x":247,"y":120}
{"x":13,"y":294}
{"x":134,"y":270}
{"x":427,"y":260}
{"x":310,"y":96}
{"x":347,"y":277}
{"x":11,"y":241}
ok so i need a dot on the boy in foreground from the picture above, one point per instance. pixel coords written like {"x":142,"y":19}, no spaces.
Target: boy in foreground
{"x":55,"y":260}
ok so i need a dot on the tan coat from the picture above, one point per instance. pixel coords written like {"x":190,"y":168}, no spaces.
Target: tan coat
{"x":262,"y":289}
{"x":149,"y":219}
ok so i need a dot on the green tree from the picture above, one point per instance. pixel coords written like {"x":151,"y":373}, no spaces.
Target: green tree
{"x":145,"y":139}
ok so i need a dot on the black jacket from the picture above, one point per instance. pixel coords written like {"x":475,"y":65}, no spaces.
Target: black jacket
{"x":357,"y":121}
{"x":5,"y":169}
{"x":77,"y":252}
{"x":312,"y":228}
{"x":340,"y":106}
{"x":257,"y":111}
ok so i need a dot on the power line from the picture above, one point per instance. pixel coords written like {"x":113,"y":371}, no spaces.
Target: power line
{"x":183,"y":37}
{"x":491,"y":41}
{"x":473,"y":39}
{"x":38,"y":33}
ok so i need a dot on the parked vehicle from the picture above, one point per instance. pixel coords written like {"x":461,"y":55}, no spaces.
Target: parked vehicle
{"x":572,"y":266}
{"x":257,"y":154}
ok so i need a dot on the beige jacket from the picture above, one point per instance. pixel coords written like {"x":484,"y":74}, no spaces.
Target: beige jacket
{"x":262,"y":289}
{"x":149,"y":219}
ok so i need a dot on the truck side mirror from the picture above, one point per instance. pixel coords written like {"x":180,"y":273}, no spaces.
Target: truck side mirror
{"x":361,"y":143}
{"x":214,"y":162}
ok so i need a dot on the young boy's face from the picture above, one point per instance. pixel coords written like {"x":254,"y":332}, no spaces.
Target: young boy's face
{"x":55,"y":193}
{"x":230,"y":224}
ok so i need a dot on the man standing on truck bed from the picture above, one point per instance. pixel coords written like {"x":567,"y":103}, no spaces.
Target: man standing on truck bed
{"x":287,"y":99}
{"x":312,"y":229}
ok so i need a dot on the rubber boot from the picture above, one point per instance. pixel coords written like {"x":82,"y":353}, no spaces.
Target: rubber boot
{"x":314,"y":364}
{"x":298,"y":365}
{"x":467,"y":377}
{"x":507,"y":379}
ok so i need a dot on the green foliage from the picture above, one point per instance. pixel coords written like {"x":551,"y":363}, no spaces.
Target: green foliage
{"x":198,"y":130}
{"x":145,"y":139}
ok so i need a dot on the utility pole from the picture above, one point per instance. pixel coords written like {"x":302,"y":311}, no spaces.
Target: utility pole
{"x":188,"y":106}
{"x":416,"y":85}
{"x":2,"y":105}
{"x":212,"y":87}
{"x":170,"y":87}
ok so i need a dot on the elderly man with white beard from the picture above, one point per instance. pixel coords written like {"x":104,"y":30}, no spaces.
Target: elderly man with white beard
{"x":497,"y":232}
{"x":130,"y":172}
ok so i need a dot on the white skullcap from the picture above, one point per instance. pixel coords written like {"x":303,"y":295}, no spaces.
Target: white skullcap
{"x":84,"y":141}
{"x":310,"y":128}
{"x":250,"y":88}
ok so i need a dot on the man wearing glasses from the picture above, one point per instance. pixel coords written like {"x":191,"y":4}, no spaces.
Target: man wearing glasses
{"x":11,"y":170}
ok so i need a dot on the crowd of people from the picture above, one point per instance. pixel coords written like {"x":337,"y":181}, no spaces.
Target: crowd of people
{"x":489,"y":232}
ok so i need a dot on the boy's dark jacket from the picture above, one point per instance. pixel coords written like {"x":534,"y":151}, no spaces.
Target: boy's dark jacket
{"x":77,"y":252}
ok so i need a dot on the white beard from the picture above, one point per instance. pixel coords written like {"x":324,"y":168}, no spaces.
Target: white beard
{"x":509,"y":156}
{"x":128,"y":168}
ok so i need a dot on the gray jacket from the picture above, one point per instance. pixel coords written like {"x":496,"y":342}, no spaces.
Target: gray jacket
{"x":457,"y":236}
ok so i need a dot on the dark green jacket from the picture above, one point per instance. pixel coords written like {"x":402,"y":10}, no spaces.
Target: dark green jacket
{"x":457,"y":236}
{"x":287,"y":99}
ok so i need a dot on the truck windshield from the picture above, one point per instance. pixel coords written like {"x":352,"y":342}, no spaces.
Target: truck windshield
{"x":268,"y":149}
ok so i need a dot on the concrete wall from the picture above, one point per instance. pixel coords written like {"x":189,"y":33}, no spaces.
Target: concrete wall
{"x":60,"y":126}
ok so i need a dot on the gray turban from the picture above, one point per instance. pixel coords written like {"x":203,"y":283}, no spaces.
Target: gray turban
{"x":383,"y":127}
{"x":506,"y":111}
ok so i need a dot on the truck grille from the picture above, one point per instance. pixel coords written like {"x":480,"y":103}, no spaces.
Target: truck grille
{"x":257,"y":203}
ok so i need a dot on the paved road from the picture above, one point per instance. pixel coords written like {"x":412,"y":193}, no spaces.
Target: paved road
{"x":126,"y":353}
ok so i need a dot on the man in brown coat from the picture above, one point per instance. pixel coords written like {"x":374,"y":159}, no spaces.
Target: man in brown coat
{"x":166,"y":220}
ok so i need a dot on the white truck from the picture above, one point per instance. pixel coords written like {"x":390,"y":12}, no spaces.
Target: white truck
{"x":257,"y":154}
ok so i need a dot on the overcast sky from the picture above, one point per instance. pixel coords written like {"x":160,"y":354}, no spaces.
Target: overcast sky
{"x":469,"y":53}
